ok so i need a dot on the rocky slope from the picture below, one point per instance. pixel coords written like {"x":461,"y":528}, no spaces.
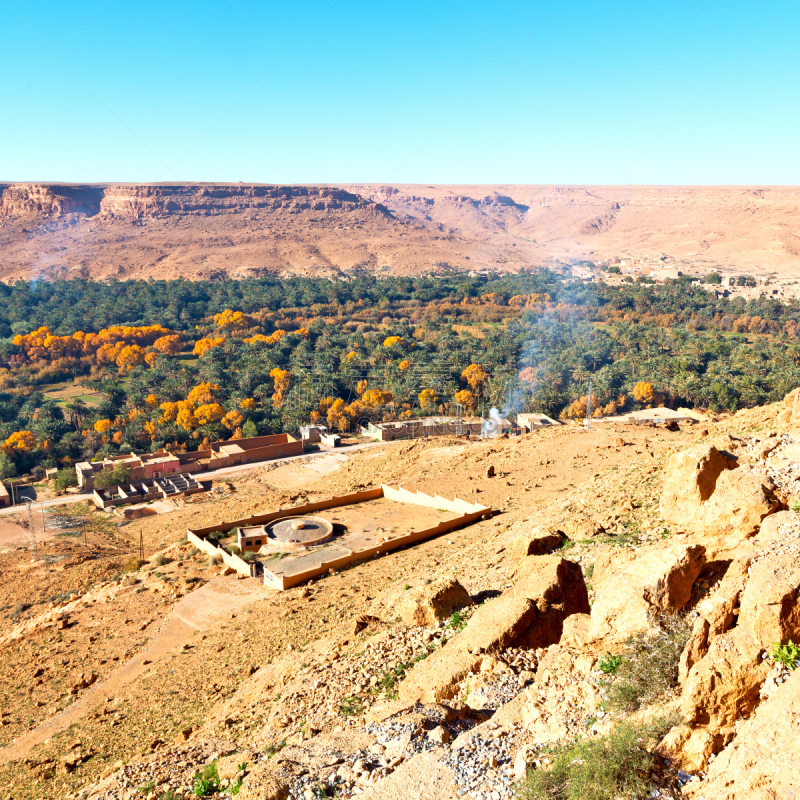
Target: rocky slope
{"x":206,"y":230}
{"x":460,"y":666}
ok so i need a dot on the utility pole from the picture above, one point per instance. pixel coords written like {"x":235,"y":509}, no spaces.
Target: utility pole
{"x":31,"y":530}
{"x":589,"y":405}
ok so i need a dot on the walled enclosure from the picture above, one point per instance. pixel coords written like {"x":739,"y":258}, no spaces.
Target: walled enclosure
{"x":468,"y":513}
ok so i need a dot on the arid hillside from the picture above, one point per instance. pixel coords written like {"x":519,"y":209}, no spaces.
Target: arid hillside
{"x":205,"y":230}
{"x":625,"y":599}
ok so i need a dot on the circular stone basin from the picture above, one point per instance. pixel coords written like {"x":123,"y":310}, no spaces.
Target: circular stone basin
{"x":299,"y":531}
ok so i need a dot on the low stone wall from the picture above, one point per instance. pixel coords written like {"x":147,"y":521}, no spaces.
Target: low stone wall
{"x":468,"y":513}
{"x":234,"y":562}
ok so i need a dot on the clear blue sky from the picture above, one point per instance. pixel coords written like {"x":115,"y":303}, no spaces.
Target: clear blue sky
{"x":580,"y":91}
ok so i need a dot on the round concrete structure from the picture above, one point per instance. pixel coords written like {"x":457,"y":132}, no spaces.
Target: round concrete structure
{"x":299,"y":531}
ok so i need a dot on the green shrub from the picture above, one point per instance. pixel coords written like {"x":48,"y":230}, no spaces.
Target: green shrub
{"x":158,"y":560}
{"x":609,"y":664}
{"x":457,"y":622}
{"x":110,"y":479}
{"x":786,"y":654}
{"x":214,"y":561}
{"x":649,"y":663}
{"x":207,"y":782}
{"x":18,"y":610}
{"x":601,"y":767}
{"x":350,"y":707}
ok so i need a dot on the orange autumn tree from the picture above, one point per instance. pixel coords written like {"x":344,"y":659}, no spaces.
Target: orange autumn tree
{"x":103,"y":425}
{"x":283,"y":380}
{"x":643,"y":393}
{"x":209,"y":413}
{"x":130,"y":356}
{"x":233,"y":320}
{"x":477,"y":378}
{"x":466,"y":399}
{"x":233,"y":419}
{"x":168,"y":345}
{"x":203,"y":393}
{"x":203,"y":346}
{"x":19,"y":442}
{"x":427,"y":399}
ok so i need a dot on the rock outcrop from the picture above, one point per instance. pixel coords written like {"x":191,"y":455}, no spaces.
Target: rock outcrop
{"x":25,"y":199}
{"x":763,"y":761}
{"x":630,"y":586}
{"x":705,"y":494}
{"x":535,"y":542}
{"x":433,"y":603}
{"x":547,"y":589}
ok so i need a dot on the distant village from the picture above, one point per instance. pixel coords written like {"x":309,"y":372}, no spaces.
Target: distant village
{"x":615,"y":270}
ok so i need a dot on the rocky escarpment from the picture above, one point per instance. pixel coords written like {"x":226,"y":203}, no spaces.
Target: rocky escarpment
{"x":134,"y":201}
{"x":23,"y":199}
{"x":139,"y":200}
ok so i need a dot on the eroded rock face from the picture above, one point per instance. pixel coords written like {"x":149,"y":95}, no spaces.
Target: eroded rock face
{"x":630,"y":586}
{"x":547,"y":589}
{"x":690,"y":479}
{"x":724,"y":685}
{"x":770,"y":604}
{"x":51,"y":201}
{"x":433,"y":603}
{"x":763,"y":761}
{"x":706,"y":495}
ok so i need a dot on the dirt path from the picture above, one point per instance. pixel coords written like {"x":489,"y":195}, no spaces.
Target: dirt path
{"x":197,"y":611}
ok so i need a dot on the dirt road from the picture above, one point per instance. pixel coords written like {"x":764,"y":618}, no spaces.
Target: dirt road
{"x":197,"y":611}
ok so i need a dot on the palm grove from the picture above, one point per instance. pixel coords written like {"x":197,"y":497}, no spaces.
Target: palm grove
{"x":178,"y":363}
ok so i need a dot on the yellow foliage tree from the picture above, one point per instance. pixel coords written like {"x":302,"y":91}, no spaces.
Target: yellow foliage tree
{"x":361,"y":387}
{"x":168,"y":345}
{"x":202,"y":346}
{"x":233,"y":419}
{"x":578,"y":409}
{"x":404,"y":365}
{"x":643,"y":393}
{"x":203,"y":394}
{"x":248,"y":404}
{"x":103,"y":425}
{"x":476,"y":377}
{"x":151,"y":358}
{"x":209,"y":413}
{"x":152,"y":401}
{"x":283,"y":380}
{"x":390,"y":341}
{"x":233,"y":320}
{"x":466,"y":399}
{"x":20,"y":442}
{"x":377,"y":397}
{"x":130,"y":356}
{"x":428,"y":399}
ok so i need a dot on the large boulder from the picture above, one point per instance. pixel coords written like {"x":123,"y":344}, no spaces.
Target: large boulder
{"x":630,"y":586}
{"x":535,"y":542}
{"x":581,"y":526}
{"x":546,"y":590}
{"x":690,"y":478}
{"x":724,"y":685}
{"x":433,"y":603}
{"x":493,"y":627}
{"x":705,"y":494}
{"x":763,"y":761}
{"x":558,"y":589}
{"x":770,"y":603}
